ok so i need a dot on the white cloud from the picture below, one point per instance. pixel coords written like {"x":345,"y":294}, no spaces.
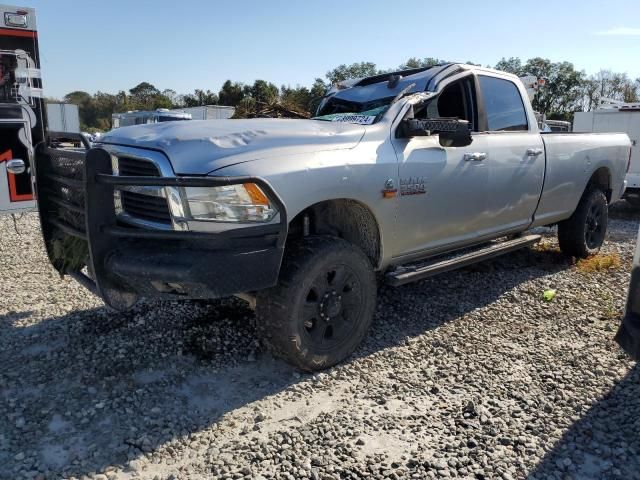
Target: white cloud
{"x":620,"y":31}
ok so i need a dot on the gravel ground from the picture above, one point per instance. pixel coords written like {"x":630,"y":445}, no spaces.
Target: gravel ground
{"x":470,"y":375}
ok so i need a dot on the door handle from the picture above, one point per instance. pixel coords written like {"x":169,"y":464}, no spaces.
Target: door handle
{"x":16,"y":166}
{"x":475,"y":156}
{"x":534,"y":152}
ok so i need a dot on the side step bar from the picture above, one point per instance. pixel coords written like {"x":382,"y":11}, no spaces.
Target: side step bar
{"x":414,"y":272}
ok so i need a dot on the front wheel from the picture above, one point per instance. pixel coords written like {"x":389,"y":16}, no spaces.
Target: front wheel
{"x":323,"y":305}
{"x":584,"y":232}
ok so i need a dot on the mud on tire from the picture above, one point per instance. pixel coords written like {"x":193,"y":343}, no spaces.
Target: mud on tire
{"x":323,"y":305}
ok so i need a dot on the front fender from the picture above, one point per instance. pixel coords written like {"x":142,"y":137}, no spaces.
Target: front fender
{"x":359,"y":174}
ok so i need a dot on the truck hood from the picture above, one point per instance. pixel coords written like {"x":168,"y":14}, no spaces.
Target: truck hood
{"x":197,"y":147}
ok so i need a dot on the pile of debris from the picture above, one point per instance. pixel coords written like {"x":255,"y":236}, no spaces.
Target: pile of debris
{"x":257,"y":109}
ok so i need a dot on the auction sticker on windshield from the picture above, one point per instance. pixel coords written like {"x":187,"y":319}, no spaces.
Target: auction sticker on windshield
{"x":349,"y":118}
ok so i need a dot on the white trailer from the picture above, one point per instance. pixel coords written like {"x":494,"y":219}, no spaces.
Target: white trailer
{"x":63,"y":117}
{"x":617,"y":117}
{"x":209,"y":112}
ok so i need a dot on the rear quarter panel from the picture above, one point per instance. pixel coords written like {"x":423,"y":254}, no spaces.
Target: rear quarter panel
{"x":571,"y":160}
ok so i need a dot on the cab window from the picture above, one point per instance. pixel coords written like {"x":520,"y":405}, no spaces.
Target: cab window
{"x":503,"y":105}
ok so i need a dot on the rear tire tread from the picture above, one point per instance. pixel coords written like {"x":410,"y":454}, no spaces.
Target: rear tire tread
{"x":571,"y":232}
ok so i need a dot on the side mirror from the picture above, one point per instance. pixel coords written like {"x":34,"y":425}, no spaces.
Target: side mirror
{"x":451,"y":131}
{"x":455,"y":139}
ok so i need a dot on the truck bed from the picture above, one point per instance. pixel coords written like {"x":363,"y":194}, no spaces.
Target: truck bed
{"x":571,"y":158}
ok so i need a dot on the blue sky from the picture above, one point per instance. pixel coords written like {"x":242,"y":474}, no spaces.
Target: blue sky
{"x":113,"y":45}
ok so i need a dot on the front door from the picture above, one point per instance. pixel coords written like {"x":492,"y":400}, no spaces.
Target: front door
{"x":443,"y":191}
{"x":442,"y":194}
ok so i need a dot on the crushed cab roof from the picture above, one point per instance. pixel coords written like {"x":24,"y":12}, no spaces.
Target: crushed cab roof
{"x":379,"y":86}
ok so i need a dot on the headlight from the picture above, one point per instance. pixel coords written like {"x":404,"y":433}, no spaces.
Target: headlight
{"x":231,"y":203}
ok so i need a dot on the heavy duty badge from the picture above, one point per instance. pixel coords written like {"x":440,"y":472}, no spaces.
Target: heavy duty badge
{"x":412,"y":186}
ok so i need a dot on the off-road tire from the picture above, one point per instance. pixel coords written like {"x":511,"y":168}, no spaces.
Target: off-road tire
{"x":288,"y":315}
{"x":582,"y":234}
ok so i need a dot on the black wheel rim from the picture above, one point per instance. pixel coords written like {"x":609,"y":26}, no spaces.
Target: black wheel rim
{"x":595,"y":227}
{"x":332,"y":308}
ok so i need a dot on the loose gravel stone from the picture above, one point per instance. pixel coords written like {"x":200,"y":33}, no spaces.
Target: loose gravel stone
{"x":466,"y":375}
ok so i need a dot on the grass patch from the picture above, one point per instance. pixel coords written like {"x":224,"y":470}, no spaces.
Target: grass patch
{"x":70,"y":253}
{"x":599,"y":263}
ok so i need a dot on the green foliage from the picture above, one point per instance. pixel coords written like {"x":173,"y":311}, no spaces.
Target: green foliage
{"x":231,"y":93}
{"x":511,"y":65}
{"x":414,"y":62}
{"x":198,"y":98}
{"x":355,"y":70}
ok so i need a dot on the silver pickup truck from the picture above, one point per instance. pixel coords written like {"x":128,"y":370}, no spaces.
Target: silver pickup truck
{"x":403,"y":174}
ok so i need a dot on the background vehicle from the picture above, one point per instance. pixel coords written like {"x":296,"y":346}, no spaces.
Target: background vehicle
{"x":207,"y":112}
{"x":628,"y":335}
{"x":558,"y":125}
{"x":617,"y":116}
{"x":22,"y":118}
{"x":409,"y":174}
{"x":142,"y":117}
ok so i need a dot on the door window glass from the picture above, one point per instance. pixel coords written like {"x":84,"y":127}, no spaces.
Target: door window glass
{"x":503,"y":105}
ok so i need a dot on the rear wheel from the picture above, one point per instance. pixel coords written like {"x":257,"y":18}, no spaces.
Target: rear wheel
{"x":584,"y":232}
{"x":323,"y":305}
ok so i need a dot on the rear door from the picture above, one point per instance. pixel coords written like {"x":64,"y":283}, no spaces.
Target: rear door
{"x":516,"y":156}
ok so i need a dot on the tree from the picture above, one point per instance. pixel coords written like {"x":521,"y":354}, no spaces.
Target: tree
{"x":414,"y":62}
{"x":298,"y":98}
{"x":143,"y":96}
{"x":86,"y":109}
{"x":607,"y":84}
{"x":510,"y":65}
{"x":231,"y":93}
{"x":172,"y":96}
{"x":563,"y":89}
{"x":265,"y":92}
{"x":199,"y":98}
{"x":355,"y":70}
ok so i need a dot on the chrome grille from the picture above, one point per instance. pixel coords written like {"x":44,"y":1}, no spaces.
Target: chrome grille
{"x":137,"y":168}
{"x":146,"y":207}
{"x":139,"y":206}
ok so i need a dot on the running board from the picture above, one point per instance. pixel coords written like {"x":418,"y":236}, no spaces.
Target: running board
{"x":418,"y":271}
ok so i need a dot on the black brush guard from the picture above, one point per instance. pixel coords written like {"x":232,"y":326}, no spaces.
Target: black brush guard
{"x":75,"y":191}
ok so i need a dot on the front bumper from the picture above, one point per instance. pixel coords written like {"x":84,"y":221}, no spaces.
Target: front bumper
{"x":125,"y":262}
